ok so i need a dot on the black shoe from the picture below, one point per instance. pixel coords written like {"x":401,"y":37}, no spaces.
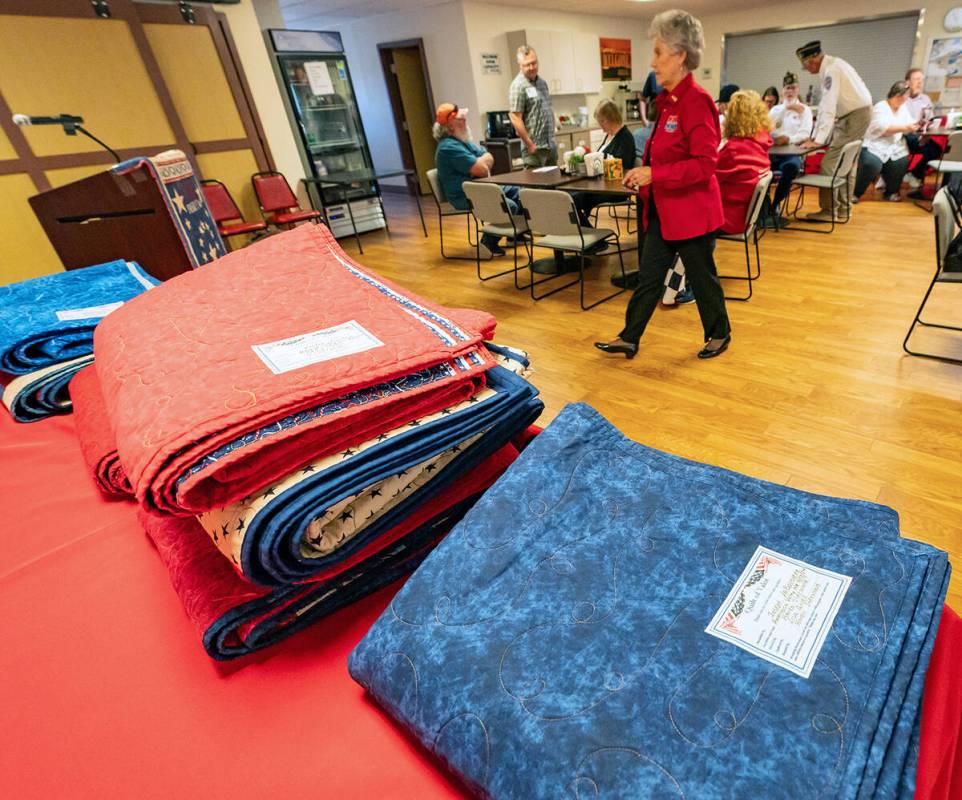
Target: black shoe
{"x":630,"y":281}
{"x":708,"y":352}
{"x":917,"y":194}
{"x":597,"y":247}
{"x":629,"y":350}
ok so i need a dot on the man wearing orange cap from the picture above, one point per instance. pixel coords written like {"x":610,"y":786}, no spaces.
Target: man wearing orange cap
{"x":458,"y":159}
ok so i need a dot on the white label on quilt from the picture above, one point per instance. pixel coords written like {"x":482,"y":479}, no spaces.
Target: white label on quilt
{"x":781,"y":609}
{"x":91,"y":312}
{"x":345,"y":339}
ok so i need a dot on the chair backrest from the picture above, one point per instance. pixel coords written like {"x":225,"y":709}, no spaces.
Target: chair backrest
{"x":848,"y":160}
{"x":953,"y":148}
{"x":222,"y":205}
{"x":487,"y":203}
{"x":944,"y":218}
{"x":550,"y":212}
{"x":273,"y":192}
{"x":757,"y":201}
{"x":436,"y":190}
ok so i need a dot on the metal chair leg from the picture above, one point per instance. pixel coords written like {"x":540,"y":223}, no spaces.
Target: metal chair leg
{"x":621,"y":261}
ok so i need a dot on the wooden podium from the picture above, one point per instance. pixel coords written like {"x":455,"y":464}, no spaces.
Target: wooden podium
{"x":146,"y":210}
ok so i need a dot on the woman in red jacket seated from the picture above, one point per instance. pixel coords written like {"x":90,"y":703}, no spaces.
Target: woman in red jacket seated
{"x":679,"y":195}
{"x":743,"y":157}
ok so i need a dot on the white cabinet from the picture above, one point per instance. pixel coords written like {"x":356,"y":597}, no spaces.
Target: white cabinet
{"x":562,"y":63}
{"x":569,"y":62}
{"x":587,"y":63}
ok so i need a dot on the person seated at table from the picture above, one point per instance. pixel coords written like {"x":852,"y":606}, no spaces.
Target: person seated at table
{"x":724,"y":96}
{"x":743,"y":156}
{"x":458,"y":159}
{"x":884,"y":151}
{"x":920,"y":108}
{"x":770,"y":97}
{"x":618,"y":143}
{"x":791,"y":124}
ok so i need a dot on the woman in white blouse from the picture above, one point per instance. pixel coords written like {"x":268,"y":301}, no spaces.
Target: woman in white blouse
{"x":884,"y":150}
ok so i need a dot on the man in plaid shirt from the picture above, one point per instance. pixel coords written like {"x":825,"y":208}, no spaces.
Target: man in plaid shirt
{"x":530,"y":111}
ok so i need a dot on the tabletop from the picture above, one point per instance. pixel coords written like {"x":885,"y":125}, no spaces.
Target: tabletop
{"x":530,"y":178}
{"x":599,"y":184}
{"x":792,"y":150}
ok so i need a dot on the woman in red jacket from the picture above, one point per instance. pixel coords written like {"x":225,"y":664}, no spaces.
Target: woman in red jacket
{"x":681,"y":202}
{"x":743,"y":158}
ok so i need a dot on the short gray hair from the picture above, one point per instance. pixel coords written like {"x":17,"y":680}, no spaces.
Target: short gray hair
{"x":607,"y":110}
{"x":523,"y":51}
{"x":681,"y":32}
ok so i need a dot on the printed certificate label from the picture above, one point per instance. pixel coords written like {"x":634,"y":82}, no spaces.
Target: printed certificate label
{"x":345,"y":339}
{"x":90,"y":312}
{"x":781,"y":609}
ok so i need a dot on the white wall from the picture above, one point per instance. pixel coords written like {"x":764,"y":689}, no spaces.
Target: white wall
{"x":487,"y":25}
{"x":811,"y":12}
{"x":446,"y":49}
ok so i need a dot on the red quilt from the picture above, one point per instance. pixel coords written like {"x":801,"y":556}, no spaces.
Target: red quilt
{"x":96,"y":437}
{"x":202,"y":419}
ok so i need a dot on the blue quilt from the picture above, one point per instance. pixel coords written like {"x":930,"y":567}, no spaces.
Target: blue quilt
{"x":554,"y":644}
{"x":47,"y":320}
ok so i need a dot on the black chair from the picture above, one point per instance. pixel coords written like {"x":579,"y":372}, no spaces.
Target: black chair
{"x":750,"y":234}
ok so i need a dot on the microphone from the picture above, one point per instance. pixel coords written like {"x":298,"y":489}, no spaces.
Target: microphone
{"x":62,"y":119}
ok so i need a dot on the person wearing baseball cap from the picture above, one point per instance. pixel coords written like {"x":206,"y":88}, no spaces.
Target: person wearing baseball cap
{"x":459,"y":159}
{"x":791,"y":124}
{"x":844,"y":114}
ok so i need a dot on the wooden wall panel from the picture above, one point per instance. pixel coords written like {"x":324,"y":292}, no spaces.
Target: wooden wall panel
{"x":90,"y":67}
{"x":25,"y":251}
{"x":194,"y":75}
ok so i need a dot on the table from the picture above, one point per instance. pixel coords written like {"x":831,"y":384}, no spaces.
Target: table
{"x":107,"y":692}
{"x":556,"y":179}
{"x":792,"y":150}
{"x":345,"y":180}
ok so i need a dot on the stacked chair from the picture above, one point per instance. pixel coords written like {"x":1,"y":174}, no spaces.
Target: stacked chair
{"x":300,"y":431}
{"x":230,"y":221}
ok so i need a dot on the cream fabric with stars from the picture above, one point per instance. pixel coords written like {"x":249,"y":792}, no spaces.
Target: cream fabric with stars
{"x":334,"y":526}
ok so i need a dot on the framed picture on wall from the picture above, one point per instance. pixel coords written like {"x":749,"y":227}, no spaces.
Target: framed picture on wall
{"x":615,"y":59}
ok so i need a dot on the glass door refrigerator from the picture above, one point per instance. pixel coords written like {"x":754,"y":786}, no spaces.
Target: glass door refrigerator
{"x":312,"y":69}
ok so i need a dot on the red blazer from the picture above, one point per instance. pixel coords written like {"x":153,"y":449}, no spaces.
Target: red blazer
{"x":682,"y":152}
{"x":741,"y":162}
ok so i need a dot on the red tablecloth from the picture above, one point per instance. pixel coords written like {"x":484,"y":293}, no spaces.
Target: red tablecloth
{"x":105,"y":690}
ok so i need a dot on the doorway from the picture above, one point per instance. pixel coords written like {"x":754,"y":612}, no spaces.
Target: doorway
{"x":409,"y":87}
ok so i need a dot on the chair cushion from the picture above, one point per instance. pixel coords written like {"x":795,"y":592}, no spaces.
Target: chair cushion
{"x":949,"y":277}
{"x":591,"y":236}
{"x":293,"y":216}
{"x":821,"y":181}
{"x":241,"y":227}
{"x":946,"y":166}
{"x":447,"y":210}
{"x":520,"y":226}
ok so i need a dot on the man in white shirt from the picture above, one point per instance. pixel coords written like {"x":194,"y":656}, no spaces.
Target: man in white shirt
{"x":844,"y":114}
{"x":884,"y":151}
{"x":920,"y":107}
{"x":791,"y":124}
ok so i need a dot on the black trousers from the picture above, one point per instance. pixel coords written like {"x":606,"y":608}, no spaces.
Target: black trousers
{"x":656,"y":258}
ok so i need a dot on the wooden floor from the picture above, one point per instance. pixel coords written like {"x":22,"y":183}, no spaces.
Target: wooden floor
{"x":815,"y":391}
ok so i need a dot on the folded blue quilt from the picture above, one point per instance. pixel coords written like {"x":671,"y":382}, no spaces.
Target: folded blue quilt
{"x":555,"y":643}
{"x":269,"y":537}
{"x":43,"y":393}
{"x":50,"y":319}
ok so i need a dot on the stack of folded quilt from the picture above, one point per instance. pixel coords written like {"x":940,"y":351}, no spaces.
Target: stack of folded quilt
{"x":46,"y":332}
{"x":592,"y":630}
{"x":298,"y":430}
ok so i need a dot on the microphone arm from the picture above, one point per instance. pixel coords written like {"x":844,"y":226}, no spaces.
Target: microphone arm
{"x":89,"y":135}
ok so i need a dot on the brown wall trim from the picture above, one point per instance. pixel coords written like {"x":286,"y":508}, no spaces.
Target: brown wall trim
{"x":221,"y":145}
